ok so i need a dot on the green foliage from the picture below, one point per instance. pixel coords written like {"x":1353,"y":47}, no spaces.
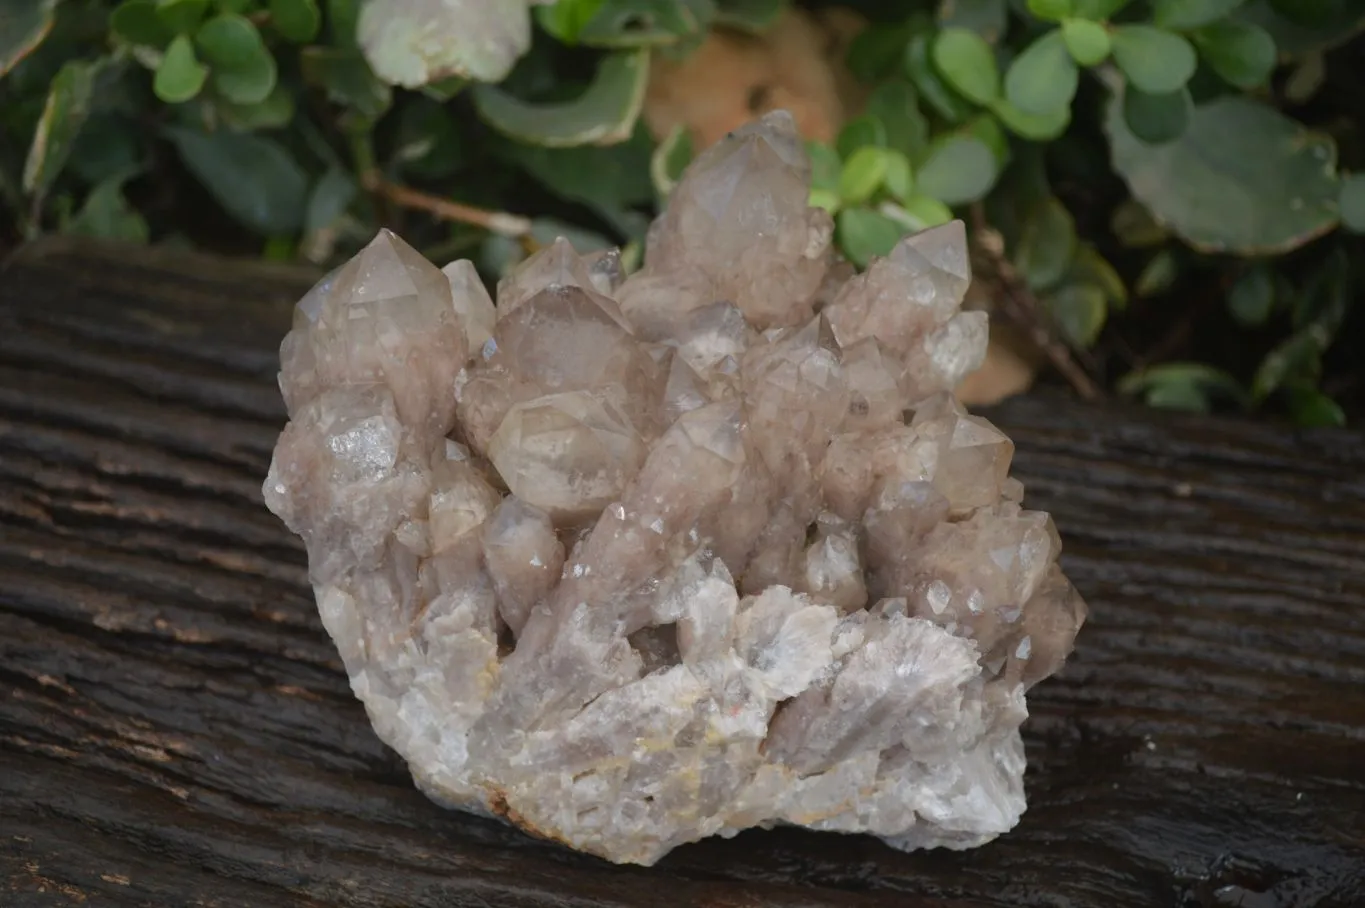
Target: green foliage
{"x":1043,"y":79}
{"x":1241,"y":53}
{"x":1242,"y":178}
{"x":243,"y":69}
{"x":967,"y":62}
{"x":1183,"y":386}
{"x":23,"y":26}
{"x":603,"y":114}
{"x":1152,"y":59}
{"x":180,"y":75}
{"x":1087,"y":41}
{"x":1137,"y":157}
{"x":255,"y":179}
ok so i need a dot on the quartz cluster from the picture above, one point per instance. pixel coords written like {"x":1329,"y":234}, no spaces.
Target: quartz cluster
{"x":634,"y":560}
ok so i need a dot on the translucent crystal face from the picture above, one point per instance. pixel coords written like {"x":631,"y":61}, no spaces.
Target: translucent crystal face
{"x":635,"y":560}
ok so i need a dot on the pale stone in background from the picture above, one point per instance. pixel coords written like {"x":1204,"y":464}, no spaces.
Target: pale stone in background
{"x":632,"y":561}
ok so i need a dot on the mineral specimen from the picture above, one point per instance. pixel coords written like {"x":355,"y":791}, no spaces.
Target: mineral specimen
{"x":631,"y":561}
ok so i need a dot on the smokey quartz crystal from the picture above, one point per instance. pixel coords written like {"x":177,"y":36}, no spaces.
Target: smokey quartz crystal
{"x":634,"y":560}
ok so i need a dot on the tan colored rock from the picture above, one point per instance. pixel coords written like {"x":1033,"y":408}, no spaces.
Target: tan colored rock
{"x":733,"y":77}
{"x":639,"y":560}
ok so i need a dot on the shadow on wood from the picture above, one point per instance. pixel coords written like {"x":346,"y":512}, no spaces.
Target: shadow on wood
{"x":175,"y":727}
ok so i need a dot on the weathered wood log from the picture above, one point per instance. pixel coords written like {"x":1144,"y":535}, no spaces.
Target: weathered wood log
{"x":175,"y":728}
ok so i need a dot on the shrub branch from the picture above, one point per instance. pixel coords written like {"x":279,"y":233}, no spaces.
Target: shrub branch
{"x":501,"y":222}
{"x":1020,"y":306}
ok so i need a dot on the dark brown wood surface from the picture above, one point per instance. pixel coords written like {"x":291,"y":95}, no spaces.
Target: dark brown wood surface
{"x":175,"y":728}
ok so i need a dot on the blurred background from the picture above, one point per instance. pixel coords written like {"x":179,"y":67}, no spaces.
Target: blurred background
{"x":1162,"y":194}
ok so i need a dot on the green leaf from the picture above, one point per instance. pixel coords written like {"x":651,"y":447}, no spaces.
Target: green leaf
{"x":346,"y":78}
{"x":1305,"y":79}
{"x":180,"y":75}
{"x":442,"y":90}
{"x":329,"y":199}
{"x":606,"y":180}
{"x":181,"y":16}
{"x":1301,"y":27}
{"x":243,"y":70}
{"x":1297,"y":359}
{"x":919,"y":212}
{"x":343,"y":23}
{"x":641,"y":23}
{"x":64,"y":113}
{"x":1156,"y":61}
{"x":674,"y":153}
{"x":255,"y":179}
{"x":1321,"y":306}
{"x":1042,"y":80}
{"x":106,"y":214}
{"x":1182,"y":386}
{"x":1174,"y":396}
{"x":1186,"y":14}
{"x":862,"y":175}
{"x":1252,"y":298}
{"x":1047,"y":244}
{"x":1038,"y":128}
{"x":565,"y":19}
{"x":932,"y":88}
{"x":967,"y":62}
{"x":958,"y":169}
{"x":413,"y":42}
{"x":895,"y":104}
{"x":823,"y":198}
{"x":1351,"y":201}
{"x":900,"y":177}
{"x":136,"y":22}
{"x":109,"y":145}
{"x":825,"y":166}
{"x":23,"y":26}
{"x":1088,"y":266}
{"x":1157,"y":275}
{"x":1242,"y":54}
{"x":275,"y":112}
{"x":863,"y":234}
{"x":860,"y":132}
{"x":1079,"y":311}
{"x":1050,"y":10}
{"x":1312,"y":409}
{"x":296,"y":20}
{"x":1243,"y":178}
{"x":987,"y":128}
{"x":1156,"y":119}
{"x":1086,"y":41}
{"x":603,"y":115}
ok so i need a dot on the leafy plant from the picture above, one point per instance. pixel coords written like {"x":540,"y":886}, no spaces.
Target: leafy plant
{"x":1121,"y":162}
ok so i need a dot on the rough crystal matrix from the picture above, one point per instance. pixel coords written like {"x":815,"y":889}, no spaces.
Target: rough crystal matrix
{"x":631,"y":561}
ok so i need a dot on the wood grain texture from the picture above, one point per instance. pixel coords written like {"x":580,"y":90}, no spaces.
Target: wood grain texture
{"x":175,"y":728}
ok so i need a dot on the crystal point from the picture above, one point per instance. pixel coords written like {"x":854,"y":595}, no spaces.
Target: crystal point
{"x":636,"y":560}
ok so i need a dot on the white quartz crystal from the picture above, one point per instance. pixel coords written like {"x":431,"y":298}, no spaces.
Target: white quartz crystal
{"x":632,"y":561}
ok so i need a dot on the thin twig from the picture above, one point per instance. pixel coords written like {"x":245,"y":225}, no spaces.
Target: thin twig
{"x":1020,"y":306}
{"x":496,"y":221}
